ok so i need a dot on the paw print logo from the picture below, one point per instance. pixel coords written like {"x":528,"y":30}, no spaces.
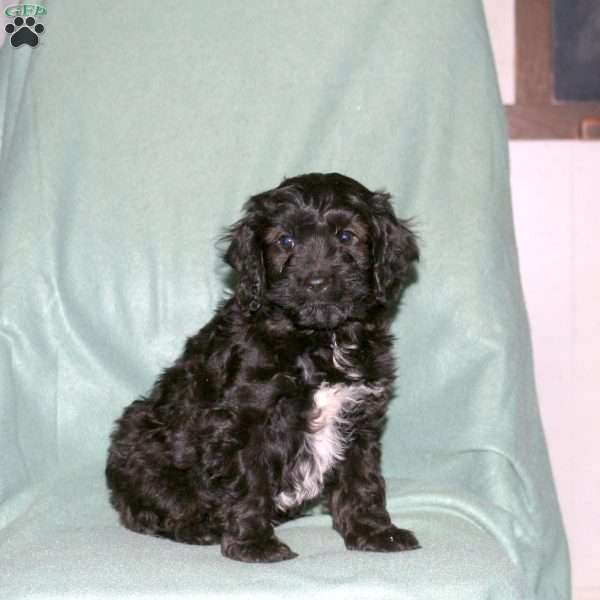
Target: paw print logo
{"x":24,"y":31}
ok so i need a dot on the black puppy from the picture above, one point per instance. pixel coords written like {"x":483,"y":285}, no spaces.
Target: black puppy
{"x":281,"y":398}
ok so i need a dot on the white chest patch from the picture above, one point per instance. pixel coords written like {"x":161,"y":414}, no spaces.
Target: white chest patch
{"x":326,"y":441}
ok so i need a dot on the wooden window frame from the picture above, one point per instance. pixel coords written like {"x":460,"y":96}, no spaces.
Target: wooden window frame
{"x":536,"y":114}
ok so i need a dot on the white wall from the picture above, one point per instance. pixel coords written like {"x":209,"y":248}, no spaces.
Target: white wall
{"x":501,"y":21}
{"x":556,"y":203}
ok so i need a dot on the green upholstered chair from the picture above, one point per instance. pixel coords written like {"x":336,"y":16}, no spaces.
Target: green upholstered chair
{"x":131,"y":135}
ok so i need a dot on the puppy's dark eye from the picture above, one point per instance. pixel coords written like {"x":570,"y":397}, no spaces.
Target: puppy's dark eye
{"x":287,"y":242}
{"x":345,"y":236}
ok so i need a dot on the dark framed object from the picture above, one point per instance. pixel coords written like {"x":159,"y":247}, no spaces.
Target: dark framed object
{"x":576,"y":50}
{"x":556,"y":76}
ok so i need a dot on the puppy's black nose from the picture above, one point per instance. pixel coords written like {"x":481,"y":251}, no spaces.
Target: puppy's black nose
{"x":317,"y":284}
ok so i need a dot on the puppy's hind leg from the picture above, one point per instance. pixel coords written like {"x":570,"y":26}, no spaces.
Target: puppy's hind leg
{"x":192,"y":531}
{"x":183,"y":516}
{"x":169,"y":508}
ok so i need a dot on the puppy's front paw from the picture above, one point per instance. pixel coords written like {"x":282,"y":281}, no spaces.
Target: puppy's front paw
{"x":391,"y":539}
{"x":263,"y":551}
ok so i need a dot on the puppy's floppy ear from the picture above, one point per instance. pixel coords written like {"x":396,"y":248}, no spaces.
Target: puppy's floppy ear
{"x":393,"y":249}
{"x":245,"y":256}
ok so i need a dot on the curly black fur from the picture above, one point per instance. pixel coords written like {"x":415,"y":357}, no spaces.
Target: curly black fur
{"x":281,"y":398}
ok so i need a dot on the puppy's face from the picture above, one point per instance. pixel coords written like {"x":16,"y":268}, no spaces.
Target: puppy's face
{"x":316,"y":251}
{"x":321,"y":248}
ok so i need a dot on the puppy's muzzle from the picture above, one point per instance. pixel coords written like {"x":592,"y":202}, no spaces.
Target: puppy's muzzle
{"x":317,"y":284}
